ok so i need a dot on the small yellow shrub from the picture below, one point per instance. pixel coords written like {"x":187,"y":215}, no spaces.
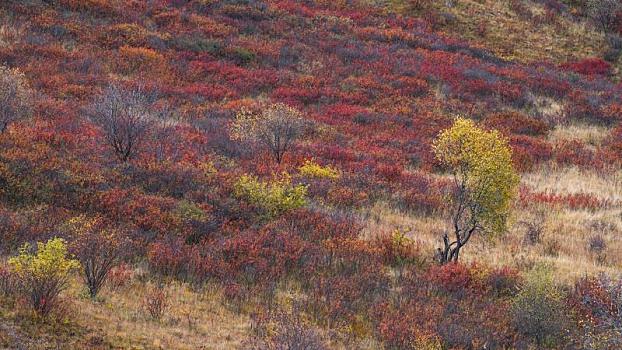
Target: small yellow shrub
{"x":312,"y":169}
{"x":274,"y":197}
{"x":43,"y":275}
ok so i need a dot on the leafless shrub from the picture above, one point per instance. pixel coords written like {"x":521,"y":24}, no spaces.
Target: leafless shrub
{"x":127,"y":118}
{"x":11,"y":31}
{"x":533,"y":230}
{"x":615,"y":41}
{"x":601,"y":227}
{"x":604,"y":13}
{"x":98,"y":249}
{"x":15,"y":97}
{"x":290,"y":333}
{"x":552,"y":247}
{"x":597,"y":246}
{"x":120,"y":276}
{"x":8,"y":282}
{"x":521,"y":9}
{"x":277,"y":128}
{"x":156,"y":302}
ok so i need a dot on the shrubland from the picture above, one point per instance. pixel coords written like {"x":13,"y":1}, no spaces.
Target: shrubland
{"x":278,"y":174}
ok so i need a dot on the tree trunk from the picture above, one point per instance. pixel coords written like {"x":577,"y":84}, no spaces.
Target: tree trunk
{"x":450,"y":251}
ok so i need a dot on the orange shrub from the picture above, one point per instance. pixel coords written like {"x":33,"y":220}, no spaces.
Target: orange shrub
{"x":132,"y":59}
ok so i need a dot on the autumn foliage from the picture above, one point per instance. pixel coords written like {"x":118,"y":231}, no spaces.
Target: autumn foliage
{"x":242,"y":147}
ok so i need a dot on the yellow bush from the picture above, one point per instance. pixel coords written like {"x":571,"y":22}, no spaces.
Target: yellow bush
{"x":274,"y":197}
{"x":312,"y":169}
{"x":44,"y":274}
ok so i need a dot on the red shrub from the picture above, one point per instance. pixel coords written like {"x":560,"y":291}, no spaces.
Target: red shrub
{"x":389,"y":172}
{"x":589,"y":66}
{"x":593,"y":299}
{"x":410,"y":326}
{"x":412,"y":86}
{"x":612,"y":113}
{"x":529,"y":151}
{"x":573,"y":201}
{"x":596,"y":303}
{"x":516,"y":123}
{"x":316,"y":227}
{"x":120,"y":276}
{"x":503,"y":281}
{"x":573,"y":152}
{"x":347,"y":280}
{"x":453,"y":277}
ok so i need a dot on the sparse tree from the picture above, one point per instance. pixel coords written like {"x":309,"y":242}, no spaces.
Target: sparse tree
{"x":97,"y":247}
{"x":15,"y":97}
{"x":604,"y":13}
{"x":127,"y":117}
{"x":277,"y":127}
{"x":485,"y":183}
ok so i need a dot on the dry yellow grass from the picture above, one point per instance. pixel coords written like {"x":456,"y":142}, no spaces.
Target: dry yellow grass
{"x":591,"y":135}
{"x":118,"y":319}
{"x":572,"y":180}
{"x":193,"y":319}
{"x":566,"y":234}
{"x":515,"y":38}
{"x":496,"y":26}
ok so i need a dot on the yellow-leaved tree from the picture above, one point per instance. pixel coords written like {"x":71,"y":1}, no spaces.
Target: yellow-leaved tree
{"x":485,"y":183}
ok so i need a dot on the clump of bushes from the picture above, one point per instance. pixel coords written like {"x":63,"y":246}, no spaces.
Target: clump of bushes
{"x":274,"y":197}
{"x":598,"y":246}
{"x":589,"y":66}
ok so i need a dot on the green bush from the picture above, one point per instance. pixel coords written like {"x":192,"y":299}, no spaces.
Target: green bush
{"x":243,"y":56}
{"x":197,"y":44}
{"x":189,"y":211}
{"x":538,"y":310}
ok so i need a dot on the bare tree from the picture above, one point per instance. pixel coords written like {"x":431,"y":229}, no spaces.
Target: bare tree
{"x":127,"y":117}
{"x":99,"y":247}
{"x":277,"y":127}
{"x":15,"y":97}
{"x":604,"y":13}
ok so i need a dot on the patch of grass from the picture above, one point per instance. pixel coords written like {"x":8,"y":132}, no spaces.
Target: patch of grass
{"x":513,"y":36}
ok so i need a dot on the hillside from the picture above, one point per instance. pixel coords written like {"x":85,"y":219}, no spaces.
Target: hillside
{"x":523,"y":31}
{"x":329,"y":239}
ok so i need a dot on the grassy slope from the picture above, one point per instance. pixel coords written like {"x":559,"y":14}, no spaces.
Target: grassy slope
{"x":118,"y":320}
{"x":495,"y":26}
